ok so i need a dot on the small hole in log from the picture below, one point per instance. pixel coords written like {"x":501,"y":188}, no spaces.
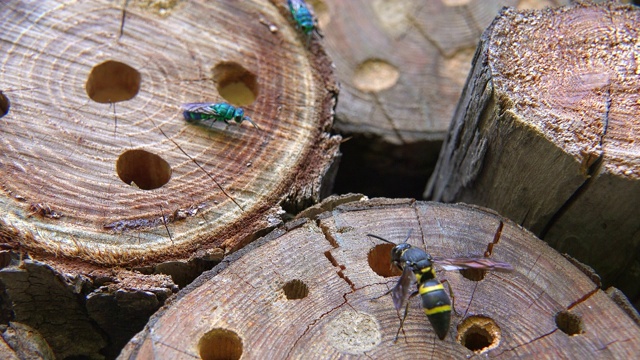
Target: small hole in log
{"x":235,"y":83}
{"x":146,"y":170}
{"x":112,"y":81}
{"x":220,"y":344}
{"x":571,"y":324}
{"x":295,"y":289}
{"x":479,"y":334}
{"x":374,"y":75}
{"x":379,"y":258}
{"x":473,"y":274}
{"x":4,"y":104}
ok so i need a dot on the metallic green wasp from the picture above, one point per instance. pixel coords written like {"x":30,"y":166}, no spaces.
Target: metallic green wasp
{"x":303,"y":17}
{"x":216,"y":112}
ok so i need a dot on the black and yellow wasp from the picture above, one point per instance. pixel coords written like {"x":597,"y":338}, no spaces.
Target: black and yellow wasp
{"x":435,"y":301}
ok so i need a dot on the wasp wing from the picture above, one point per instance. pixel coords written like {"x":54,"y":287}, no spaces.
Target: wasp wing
{"x":480,"y":263}
{"x":400,"y":292}
{"x":200,"y":108}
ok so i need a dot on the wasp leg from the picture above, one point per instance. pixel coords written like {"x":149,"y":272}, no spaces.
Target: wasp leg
{"x":378,"y":297}
{"x":406,"y":311}
{"x":453,"y":298}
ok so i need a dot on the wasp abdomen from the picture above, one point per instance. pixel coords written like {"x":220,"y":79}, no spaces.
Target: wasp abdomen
{"x":192,"y":116}
{"x":437,"y":306}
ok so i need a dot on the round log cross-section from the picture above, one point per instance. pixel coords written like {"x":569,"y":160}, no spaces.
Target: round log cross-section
{"x":98,"y":161}
{"x":320,"y":292}
{"x":110,"y":198}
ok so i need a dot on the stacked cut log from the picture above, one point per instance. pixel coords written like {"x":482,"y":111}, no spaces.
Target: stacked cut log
{"x":110,"y":199}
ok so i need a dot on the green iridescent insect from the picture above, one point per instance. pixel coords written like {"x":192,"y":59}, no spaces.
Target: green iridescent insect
{"x":303,"y":17}
{"x":216,"y":112}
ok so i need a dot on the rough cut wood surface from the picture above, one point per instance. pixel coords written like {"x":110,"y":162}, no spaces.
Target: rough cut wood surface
{"x":547,"y":133}
{"x":402,"y":65}
{"x":99,"y":171}
{"x":310,"y":292}
{"x":64,"y":159}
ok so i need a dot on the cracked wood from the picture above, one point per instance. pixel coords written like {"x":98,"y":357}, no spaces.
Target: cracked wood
{"x":344,"y":313}
{"x":99,"y":163}
{"x":546,"y":133}
{"x":110,"y":199}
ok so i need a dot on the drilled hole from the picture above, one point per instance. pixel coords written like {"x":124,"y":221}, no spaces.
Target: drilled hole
{"x":479,"y":334}
{"x":143,"y":169}
{"x":473,"y":274}
{"x":4,"y":104}
{"x":235,"y":84}
{"x":112,"y":81}
{"x":375,"y":75}
{"x":379,"y":258}
{"x":220,"y":344}
{"x":571,"y":324}
{"x":295,"y":289}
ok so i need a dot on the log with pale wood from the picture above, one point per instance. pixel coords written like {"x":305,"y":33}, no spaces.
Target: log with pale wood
{"x":316,"y":290}
{"x":547,"y":133}
{"x":110,"y":199}
{"x":402,"y":65}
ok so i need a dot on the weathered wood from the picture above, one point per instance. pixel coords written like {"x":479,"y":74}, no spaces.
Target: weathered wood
{"x":19,"y":341}
{"x":546,"y":133}
{"x":310,"y":292}
{"x":402,"y":65}
{"x":100,"y":172}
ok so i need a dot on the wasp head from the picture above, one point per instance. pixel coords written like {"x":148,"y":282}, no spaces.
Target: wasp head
{"x":238,"y":115}
{"x":397,"y":257}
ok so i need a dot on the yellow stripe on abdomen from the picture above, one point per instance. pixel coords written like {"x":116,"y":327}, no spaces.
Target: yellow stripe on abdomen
{"x":427,"y":289}
{"x":438,"y":309}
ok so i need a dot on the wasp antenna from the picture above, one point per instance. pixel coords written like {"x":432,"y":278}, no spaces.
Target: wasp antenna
{"x":252,"y":123}
{"x":381,"y":238}
{"x":408,"y":236}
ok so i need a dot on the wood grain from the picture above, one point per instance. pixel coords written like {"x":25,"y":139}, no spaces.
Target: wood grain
{"x":545,"y":133}
{"x":402,"y":66}
{"x":109,"y":199}
{"x":243,"y":307}
{"x":95,"y":86}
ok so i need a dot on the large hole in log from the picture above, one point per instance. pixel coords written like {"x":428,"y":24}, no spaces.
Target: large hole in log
{"x":295,"y":289}
{"x":220,"y":344}
{"x":146,"y":170}
{"x":479,"y":334}
{"x":4,"y":104}
{"x":112,"y":81}
{"x":374,"y":75}
{"x":570,"y":324}
{"x":474,"y":274}
{"x":235,"y":83}
{"x":379,"y":258}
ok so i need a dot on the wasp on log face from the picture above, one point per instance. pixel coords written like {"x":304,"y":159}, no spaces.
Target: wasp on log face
{"x":303,"y":17}
{"x":435,"y":301}
{"x":216,"y":111}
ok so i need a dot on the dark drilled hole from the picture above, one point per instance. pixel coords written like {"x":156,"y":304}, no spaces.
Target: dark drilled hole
{"x":295,"y":289}
{"x":379,"y":258}
{"x":220,"y":344}
{"x":4,"y":104}
{"x":569,"y":323}
{"x":473,"y":274}
{"x":112,"y":81}
{"x":235,"y":84}
{"x":479,"y":334}
{"x":146,"y":170}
